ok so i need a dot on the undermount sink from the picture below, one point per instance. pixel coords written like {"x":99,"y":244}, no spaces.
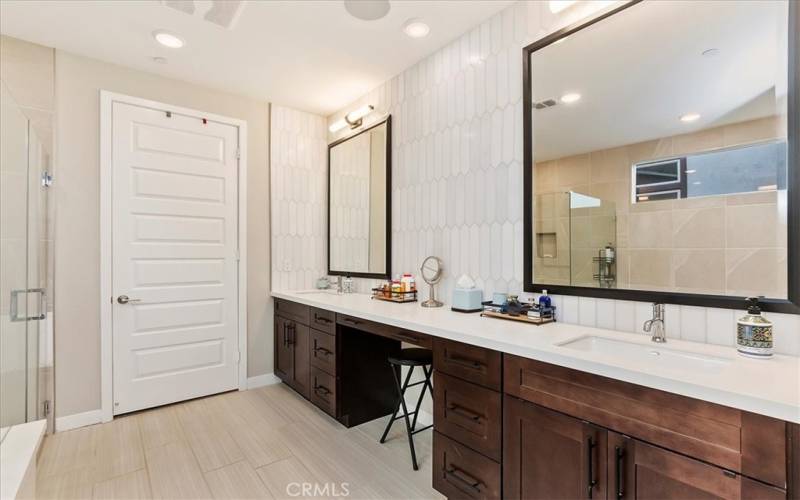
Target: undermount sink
{"x":657,"y":354}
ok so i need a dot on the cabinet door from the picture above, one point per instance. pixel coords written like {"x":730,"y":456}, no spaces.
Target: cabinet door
{"x":654,"y":473}
{"x":548,"y":455}
{"x":284,"y":352}
{"x":300,"y":336}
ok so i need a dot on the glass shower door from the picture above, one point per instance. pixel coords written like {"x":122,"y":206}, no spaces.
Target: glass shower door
{"x":25,"y":368}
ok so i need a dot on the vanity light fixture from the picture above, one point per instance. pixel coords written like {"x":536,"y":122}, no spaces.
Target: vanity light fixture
{"x":353,"y":119}
{"x":570,"y":98}
{"x":557,"y":6}
{"x":416,"y":28}
{"x":692,"y":171}
{"x":168,"y":39}
{"x":690,"y":117}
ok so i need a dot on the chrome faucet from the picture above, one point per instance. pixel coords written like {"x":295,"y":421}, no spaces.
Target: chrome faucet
{"x":656,"y":325}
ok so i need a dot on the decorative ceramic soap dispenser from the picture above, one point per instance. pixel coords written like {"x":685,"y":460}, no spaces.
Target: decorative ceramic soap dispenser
{"x":754,"y":332}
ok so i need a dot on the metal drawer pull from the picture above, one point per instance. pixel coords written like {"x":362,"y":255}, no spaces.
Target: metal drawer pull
{"x":406,"y":338}
{"x":320,"y":319}
{"x":14,"y":305}
{"x":322,"y":350}
{"x":467,"y":363}
{"x":463,"y":412}
{"x":619,"y":454}
{"x":322,"y":389}
{"x":464,"y":478}
{"x":590,"y":480}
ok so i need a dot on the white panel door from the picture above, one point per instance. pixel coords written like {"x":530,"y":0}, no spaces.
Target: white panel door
{"x":174,"y":257}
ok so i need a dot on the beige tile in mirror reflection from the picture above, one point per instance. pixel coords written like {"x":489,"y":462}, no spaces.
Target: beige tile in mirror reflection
{"x":756,"y":272}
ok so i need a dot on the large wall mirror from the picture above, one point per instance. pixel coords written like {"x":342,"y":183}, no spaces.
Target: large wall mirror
{"x":359,"y":190}
{"x":661,"y":155}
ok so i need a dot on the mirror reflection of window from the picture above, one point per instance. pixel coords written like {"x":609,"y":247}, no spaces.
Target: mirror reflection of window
{"x":677,"y":118}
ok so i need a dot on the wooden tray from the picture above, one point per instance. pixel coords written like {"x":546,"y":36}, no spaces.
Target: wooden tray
{"x":521,"y":318}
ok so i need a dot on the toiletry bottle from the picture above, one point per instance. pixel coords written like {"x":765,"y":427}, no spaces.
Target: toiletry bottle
{"x":544,"y":300}
{"x":754,"y":332}
{"x":406,"y":282}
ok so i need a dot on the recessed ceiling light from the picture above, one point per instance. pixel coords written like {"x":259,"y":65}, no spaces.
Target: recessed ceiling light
{"x":570,"y":98}
{"x":690,"y":117}
{"x":416,"y":28}
{"x":168,"y":39}
{"x":557,"y":6}
{"x":367,"y":10}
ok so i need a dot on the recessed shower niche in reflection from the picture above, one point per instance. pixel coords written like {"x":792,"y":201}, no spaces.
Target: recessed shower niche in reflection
{"x":575,"y":242}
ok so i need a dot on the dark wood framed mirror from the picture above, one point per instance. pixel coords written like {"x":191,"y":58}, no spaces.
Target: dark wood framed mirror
{"x":360,"y":203}
{"x":662,"y":155}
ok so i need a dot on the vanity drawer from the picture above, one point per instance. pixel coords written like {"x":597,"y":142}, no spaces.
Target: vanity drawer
{"x":322,"y":320}
{"x":323,"y":351}
{"x":470,"y":414}
{"x":292,"y":310}
{"x":323,"y":391}
{"x":459,"y":472}
{"x":392,"y":332}
{"x":733,"y":439}
{"x":476,"y":364}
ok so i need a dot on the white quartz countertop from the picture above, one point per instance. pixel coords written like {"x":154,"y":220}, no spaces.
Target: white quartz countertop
{"x":768,"y":387}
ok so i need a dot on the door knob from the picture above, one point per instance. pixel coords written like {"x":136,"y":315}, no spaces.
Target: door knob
{"x":124,"y":299}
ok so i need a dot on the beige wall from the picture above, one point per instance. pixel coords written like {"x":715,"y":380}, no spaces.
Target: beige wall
{"x":77,"y":314}
{"x":727,"y":245}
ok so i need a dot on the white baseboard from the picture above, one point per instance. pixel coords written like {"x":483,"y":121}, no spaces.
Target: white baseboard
{"x":262,"y":380}
{"x":68,"y":422}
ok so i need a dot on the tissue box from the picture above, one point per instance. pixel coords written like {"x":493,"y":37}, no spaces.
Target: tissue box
{"x":467,"y":300}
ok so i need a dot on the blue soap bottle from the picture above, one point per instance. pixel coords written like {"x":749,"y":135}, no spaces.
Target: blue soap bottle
{"x":545,"y":302}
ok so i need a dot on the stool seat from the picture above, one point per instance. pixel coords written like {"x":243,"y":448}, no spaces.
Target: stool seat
{"x":415,"y":356}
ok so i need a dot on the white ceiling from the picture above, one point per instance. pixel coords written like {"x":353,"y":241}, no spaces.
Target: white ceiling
{"x":640,"y":70}
{"x":311,"y":55}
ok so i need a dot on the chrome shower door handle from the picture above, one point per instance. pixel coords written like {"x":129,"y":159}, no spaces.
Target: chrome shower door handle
{"x":14,"y":305}
{"x":124,"y":299}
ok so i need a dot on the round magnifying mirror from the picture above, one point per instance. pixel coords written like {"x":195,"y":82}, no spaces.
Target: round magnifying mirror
{"x":431,"y":271}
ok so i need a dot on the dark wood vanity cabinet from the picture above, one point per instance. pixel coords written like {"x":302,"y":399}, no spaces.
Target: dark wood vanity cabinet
{"x":467,"y":418}
{"x":292,"y":354}
{"x":570,"y":434}
{"x":512,"y":427}
{"x":551,"y":455}
{"x":305,"y":352}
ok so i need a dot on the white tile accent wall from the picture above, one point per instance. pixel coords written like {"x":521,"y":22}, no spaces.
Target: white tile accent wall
{"x":457,"y":176}
{"x":299,"y":198}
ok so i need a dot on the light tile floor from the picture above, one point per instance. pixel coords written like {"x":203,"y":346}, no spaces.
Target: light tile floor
{"x":261,"y":443}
